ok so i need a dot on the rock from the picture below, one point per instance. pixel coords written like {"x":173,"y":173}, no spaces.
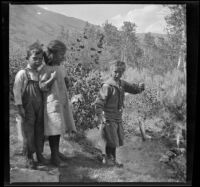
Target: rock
{"x":28,"y":175}
{"x":68,"y":149}
{"x":95,"y":136}
{"x":164,"y":159}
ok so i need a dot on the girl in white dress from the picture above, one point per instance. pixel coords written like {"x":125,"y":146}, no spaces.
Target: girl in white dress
{"x":58,"y":117}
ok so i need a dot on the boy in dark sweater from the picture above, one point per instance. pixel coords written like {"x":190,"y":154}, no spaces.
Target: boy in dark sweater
{"x":109,"y":107}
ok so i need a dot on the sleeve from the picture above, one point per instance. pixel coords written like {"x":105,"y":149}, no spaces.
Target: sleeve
{"x":65,"y":76}
{"x":63,"y":70}
{"x":131,"y":88}
{"x":67,"y":82}
{"x":101,"y":100}
{"x":19,"y":84}
{"x":43,"y":77}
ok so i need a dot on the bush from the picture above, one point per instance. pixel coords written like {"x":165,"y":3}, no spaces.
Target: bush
{"x":173,"y":100}
{"x":88,"y":87}
{"x":17,"y":61}
{"x":164,"y":98}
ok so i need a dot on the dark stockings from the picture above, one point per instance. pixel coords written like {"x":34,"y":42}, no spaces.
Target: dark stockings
{"x":54,"y":144}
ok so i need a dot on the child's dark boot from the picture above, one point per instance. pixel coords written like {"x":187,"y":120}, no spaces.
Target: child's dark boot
{"x":54,"y":146}
{"x":62,"y":156}
{"x":30,"y":164}
{"x":42,"y":160}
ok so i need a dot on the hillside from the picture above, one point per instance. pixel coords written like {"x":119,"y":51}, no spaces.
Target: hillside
{"x":30,"y":22}
{"x":155,"y":35}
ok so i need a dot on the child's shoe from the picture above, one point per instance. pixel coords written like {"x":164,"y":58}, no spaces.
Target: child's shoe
{"x":119,"y":165}
{"x":103,"y":159}
{"x":30,"y":164}
{"x":42,"y":160}
{"x":56,"y":161}
{"x":62,"y":156}
{"x":109,"y":161}
{"x":148,"y":137}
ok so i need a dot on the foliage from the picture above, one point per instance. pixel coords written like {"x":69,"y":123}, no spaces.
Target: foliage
{"x":164,"y":99}
{"x":174,"y":105}
{"x":159,"y":56}
{"x":123,"y":44}
{"x":17,"y":61}
{"x":83,"y":110}
{"x":176,"y":27}
{"x":176,"y":24}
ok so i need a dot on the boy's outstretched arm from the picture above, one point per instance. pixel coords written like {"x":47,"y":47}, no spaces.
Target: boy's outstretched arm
{"x":133,"y":88}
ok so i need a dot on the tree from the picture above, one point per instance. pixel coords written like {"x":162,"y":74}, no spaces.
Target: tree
{"x":149,"y":40}
{"x":123,"y":44}
{"x":176,"y":27}
{"x":131,"y":51}
{"x":113,"y":40}
{"x":158,"y":54}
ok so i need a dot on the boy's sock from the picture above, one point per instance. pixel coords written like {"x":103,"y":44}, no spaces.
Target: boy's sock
{"x":114,"y":158}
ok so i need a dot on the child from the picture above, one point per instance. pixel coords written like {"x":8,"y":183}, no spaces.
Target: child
{"x":28,"y":99}
{"x":58,"y":116}
{"x":109,"y":106}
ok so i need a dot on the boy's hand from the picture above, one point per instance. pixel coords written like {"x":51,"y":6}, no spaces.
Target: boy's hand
{"x":53,"y":75}
{"x":21,"y":111}
{"x":142,"y":86}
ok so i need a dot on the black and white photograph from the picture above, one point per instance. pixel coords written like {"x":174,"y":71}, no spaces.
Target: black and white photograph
{"x":97,"y":93}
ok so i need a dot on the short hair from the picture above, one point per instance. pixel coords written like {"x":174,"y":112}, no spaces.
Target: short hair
{"x":35,"y":46}
{"x":55,"y":46}
{"x":118,"y":64}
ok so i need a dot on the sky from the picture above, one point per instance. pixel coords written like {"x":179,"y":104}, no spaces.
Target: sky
{"x":147,"y":17}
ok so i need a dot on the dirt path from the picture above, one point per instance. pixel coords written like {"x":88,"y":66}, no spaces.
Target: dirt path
{"x":140,"y":165}
{"x":141,"y":162}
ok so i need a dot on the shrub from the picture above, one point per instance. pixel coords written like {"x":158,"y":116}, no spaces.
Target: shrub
{"x":173,"y":100}
{"x":17,"y":61}
{"x":87,"y":85}
{"x":164,"y":98}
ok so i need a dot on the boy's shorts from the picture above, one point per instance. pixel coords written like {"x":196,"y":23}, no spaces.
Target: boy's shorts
{"x":114,"y":134}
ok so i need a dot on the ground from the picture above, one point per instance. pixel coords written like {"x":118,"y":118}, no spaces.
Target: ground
{"x":140,"y":158}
